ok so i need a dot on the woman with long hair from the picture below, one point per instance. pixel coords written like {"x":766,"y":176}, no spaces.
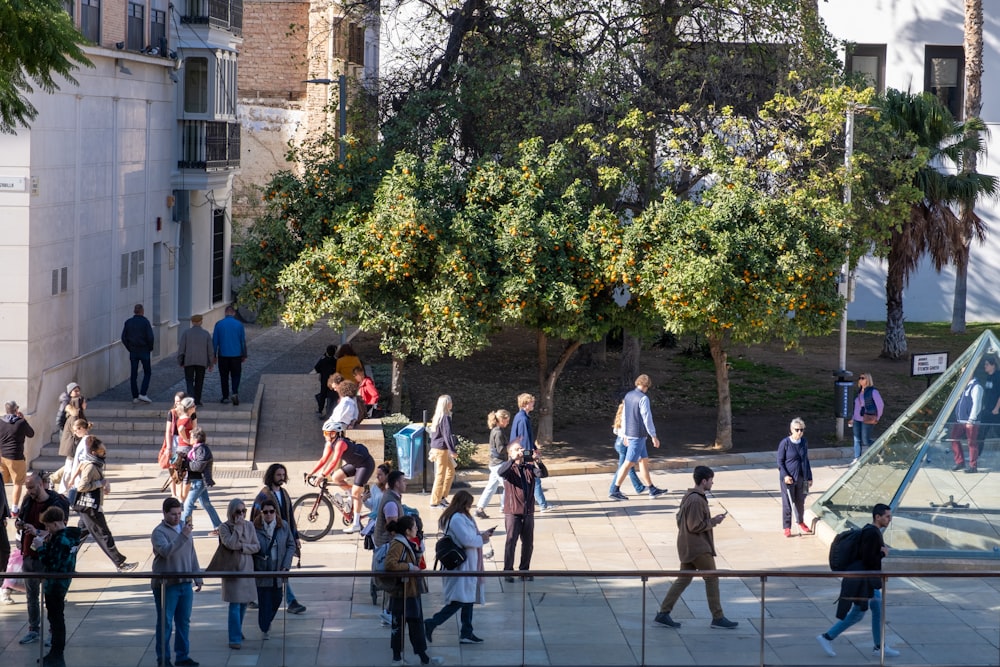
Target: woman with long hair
{"x":405,"y":555}
{"x":277,"y":547}
{"x":460,"y":593}
{"x":239,"y":536}
{"x":91,"y":487}
{"x":443,"y":452}
{"x":868,"y":408}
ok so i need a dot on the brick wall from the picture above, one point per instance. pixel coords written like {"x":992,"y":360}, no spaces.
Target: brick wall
{"x":273,"y":57}
{"x":113,"y":13}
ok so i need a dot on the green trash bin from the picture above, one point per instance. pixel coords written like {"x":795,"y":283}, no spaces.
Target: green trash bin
{"x":410,"y":450}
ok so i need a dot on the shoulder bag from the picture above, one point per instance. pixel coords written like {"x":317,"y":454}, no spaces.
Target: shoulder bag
{"x":447,"y":552}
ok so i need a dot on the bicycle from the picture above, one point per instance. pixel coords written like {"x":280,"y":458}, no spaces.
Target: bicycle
{"x":314,"y":512}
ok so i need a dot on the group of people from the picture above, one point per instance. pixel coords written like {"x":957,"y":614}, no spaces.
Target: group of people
{"x":976,"y":415}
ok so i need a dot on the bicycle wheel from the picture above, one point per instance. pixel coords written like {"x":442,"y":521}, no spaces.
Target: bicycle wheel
{"x":313,"y":516}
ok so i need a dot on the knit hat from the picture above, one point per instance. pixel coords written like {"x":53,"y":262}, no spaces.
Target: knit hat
{"x":71,"y":386}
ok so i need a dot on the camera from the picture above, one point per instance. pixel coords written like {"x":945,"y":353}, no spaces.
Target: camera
{"x":529,"y":456}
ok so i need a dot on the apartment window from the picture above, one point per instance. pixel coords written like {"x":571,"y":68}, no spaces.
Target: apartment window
{"x":867,"y":62}
{"x":90,"y":20}
{"x":196,"y":85}
{"x":158,"y":31}
{"x":356,"y":44}
{"x":944,"y":76}
{"x":60,"y":278}
{"x":225,"y":84}
{"x":135,"y":28}
{"x":133,"y":267}
{"x":218,"y":253}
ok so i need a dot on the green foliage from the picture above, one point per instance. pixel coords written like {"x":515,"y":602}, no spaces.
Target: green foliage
{"x":391,"y":425}
{"x":39,"y":42}
{"x":465,"y":453}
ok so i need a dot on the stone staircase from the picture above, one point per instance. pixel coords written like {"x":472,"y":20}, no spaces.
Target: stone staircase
{"x":133,"y":434}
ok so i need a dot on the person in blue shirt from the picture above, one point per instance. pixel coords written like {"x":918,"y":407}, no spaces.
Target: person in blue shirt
{"x":637,"y":428}
{"x":229,"y":341}
{"x":520,"y":429}
{"x":796,"y":476}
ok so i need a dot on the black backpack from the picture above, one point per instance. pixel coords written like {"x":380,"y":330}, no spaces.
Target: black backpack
{"x":844,"y":550}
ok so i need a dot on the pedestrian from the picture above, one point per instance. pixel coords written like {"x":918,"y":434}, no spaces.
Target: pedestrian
{"x":81,"y":432}
{"x":368,"y":393}
{"x":195,"y":355}
{"x":347,"y":360}
{"x":72,"y":406}
{"x":91,"y":488}
{"x":965,"y":424}
{"x":406,"y":555}
{"x":277,"y":547}
{"x":696,"y":550}
{"x":355,"y":461}
{"x":14,"y":430}
{"x":461,"y":593}
{"x":229,"y":346}
{"x":275,"y":478}
{"x":497,"y":421}
{"x":178,"y":488}
{"x":137,"y":337}
{"x":238,"y":536}
{"x":346,"y":411}
{"x":621,"y":449}
{"x":199,"y":474}
{"x":858,"y":594}
{"x":519,"y":473}
{"x":637,"y":424}
{"x":795,"y":476}
{"x":520,"y":429}
{"x":57,"y":554}
{"x":38,"y":498}
{"x":326,"y":366}
{"x":443,"y":452}
{"x":5,"y":597}
{"x":868,"y":409}
{"x":388,"y":510}
{"x":173,"y":552}
{"x":990,"y":414}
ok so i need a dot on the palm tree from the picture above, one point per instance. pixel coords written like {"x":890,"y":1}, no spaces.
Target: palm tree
{"x":932,"y":228}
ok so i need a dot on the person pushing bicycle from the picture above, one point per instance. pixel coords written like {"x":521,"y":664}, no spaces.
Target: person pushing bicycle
{"x":355,"y":461}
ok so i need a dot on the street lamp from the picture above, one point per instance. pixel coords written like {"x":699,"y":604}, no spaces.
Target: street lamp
{"x":341,"y":107}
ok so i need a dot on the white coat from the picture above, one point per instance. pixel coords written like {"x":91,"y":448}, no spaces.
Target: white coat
{"x":466,"y":589}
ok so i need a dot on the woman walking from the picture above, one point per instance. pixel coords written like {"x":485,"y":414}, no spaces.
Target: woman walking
{"x":622,"y":449}
{"x":497,"y":422}
{"x":443,"y":452}
{"x":238,"y":536}
{"x":277,"y":547}
{"x":460,"y":593}
{"x":868,"y":408}
{"x":91,"y":487}
{"x":796,"y":475}
{"x":71,"y":407}
{"x":404,"y":555}
{"x":170,"y":437}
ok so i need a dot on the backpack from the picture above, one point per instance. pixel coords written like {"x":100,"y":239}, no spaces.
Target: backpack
{"x":447,"y":552}
{"x":202,"y":457}
{"x":844,"y":549}
{"x":391,"y":584}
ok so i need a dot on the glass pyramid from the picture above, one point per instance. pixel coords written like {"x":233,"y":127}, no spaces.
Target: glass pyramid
{"x":940,"y":508}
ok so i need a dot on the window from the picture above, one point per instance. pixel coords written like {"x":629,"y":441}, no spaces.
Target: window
{"x":218,"y":253}
{"x":90,"y":20}
{"x":196,"y":85}
{"x":225,"y":84}
{"x":135,"y":39}
{"x":59,"y":280}
{"x":356,"y":44}
{"x":133,"y":267}
{"x":944,"y":76}
{"x":867,"y":61}
{"x":158,"y":31}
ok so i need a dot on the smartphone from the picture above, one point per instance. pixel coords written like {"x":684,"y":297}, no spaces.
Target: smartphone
{"x":492,"y":530}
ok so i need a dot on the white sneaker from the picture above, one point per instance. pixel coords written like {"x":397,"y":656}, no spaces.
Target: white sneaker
{"x":145,"y":399}
{"x":353,"y":528}
{"x":385,"y":618}
{"x":135,"y":401}
{"x":827,"y":646}
{"x":5,"y":597}
{"x":889,"y":651}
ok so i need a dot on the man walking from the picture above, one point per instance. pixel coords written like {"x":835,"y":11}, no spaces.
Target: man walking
{"x":38,"y":499}
{"x":858,"y":594}
{"x":173,"y":551}
{"x":637,"y":424}
{"x":229,"y":342}
{"x":14,"y":429}
{"x":519,"y":477}
{"x":275,"y":478}
{"x":696,"y":550}
{"x":520,"y":429}
{"x":195,"y":355}
{"x":137,"y":337}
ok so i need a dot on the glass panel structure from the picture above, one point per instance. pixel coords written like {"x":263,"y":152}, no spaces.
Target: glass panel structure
{"x":937,"y":466}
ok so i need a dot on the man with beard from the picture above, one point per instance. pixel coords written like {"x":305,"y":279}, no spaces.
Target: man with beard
{"x":275,"y":477}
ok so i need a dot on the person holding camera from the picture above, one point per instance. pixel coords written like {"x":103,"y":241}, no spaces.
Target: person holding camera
{"x":519,"y":472}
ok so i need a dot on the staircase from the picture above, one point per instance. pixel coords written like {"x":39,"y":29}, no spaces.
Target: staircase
{"x":134,"y":433}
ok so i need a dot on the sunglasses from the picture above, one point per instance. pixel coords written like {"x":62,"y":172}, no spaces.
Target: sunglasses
{"x":243,"y":511}
{"x":267,"y":511}
{"x":798,"y":430}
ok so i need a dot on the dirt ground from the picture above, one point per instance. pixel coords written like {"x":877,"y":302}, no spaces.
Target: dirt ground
{"x":770,"y":386}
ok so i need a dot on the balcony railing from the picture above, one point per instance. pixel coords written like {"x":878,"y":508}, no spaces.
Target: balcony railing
{"x":224,"y":14}
{"x":209,"y":145}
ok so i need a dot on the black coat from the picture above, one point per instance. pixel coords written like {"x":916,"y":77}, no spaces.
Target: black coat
{"x":859,"y":590}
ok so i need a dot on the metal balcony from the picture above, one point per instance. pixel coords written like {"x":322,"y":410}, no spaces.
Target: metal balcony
{"x":209,"y":145}
{"x":223,"y":14}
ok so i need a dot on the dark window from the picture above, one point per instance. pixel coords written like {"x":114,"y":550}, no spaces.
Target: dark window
{"x":196,"y":85}
{"x":136,"y":28}
{"x":944,"y":76}
{"x":90,"y":20}
{"x":867,"y":63}
{"x":356,"y":44}
{"x":218,"y":253}
{"x":158,"y":31}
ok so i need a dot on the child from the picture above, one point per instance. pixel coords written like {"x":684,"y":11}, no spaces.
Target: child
{"x":367,"y":391}
{"x":57,"y":547}
{"x":326,"y":367}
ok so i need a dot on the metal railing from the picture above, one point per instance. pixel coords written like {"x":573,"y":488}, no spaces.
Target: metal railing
{"x":224,"y":14}
{"x":209,"y":145}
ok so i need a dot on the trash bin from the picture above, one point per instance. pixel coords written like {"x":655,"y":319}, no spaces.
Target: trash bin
{"x":410,"y":450}
{"x":842,"y":394}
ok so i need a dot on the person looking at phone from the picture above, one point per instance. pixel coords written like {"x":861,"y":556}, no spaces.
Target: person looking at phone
{"x":696,"y":550}
{"x":519,"y":476}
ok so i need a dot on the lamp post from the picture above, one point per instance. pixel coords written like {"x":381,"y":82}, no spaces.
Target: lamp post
{"x":341,"y":107}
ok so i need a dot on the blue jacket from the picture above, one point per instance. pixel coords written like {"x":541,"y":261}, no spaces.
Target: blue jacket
{"x":229,"y":338}
{"x":793,"y":460}
{"x":520,"y":427}
{"x":137,"y":335}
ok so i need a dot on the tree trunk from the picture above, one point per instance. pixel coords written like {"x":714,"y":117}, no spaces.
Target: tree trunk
{"x":631,"y":347}
{"x":724,"y":426}
{"x":396,"y":402}
{"x":961,"y":288}
{"x":894,"y":345}
{"x":547,"y":386}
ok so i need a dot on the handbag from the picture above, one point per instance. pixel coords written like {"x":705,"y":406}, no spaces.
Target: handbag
{"x":447,"y":552}
{"x":88,"y":501}
{"x":869,"y":419}
{"x":223,"y":560}
{"x":163,"y":458}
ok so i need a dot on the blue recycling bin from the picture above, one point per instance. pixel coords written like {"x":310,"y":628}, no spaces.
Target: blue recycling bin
{"x":410,"y":450}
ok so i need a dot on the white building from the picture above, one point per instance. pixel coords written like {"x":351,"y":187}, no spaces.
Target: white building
{"x":917,"y":45}
{"x":119,"y":193}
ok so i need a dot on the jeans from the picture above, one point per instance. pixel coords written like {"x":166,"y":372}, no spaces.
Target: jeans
{"x":448,"y":611}
{"x":701,"y":562}
{"x":862,"y":436}
{"x":55,"y":606}
{"x":632,"y":475}
{"x":199,"y":492}
{"x":856,"y":614}
{"x":230,"y":367}
{"x":494,"y":484}
{"x":237,"y":611}
{"x":134,"y":361}
{"x":33,"y":588}
{"x":539,"y":495}
{"x":173,"y":613}
{"x":194,"y":379}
